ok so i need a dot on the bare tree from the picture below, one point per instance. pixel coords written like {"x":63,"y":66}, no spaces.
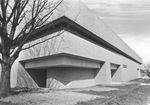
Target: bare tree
{"x":18,"y":21}
{"x":49,"y":47}
{"x":146,"y":69}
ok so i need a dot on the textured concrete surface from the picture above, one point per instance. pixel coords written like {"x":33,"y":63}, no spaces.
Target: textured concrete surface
{"x":77,"y":46}
{"x":23,"y":79}
{"x":81,"y":14}
{"x":69,"y":77}
{"x":61,"y":60}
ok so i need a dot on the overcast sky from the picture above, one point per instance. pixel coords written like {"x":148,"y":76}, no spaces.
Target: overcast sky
{"x":129,"y":19}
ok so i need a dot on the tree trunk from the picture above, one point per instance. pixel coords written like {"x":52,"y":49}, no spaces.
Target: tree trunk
{"x":5,"y":80}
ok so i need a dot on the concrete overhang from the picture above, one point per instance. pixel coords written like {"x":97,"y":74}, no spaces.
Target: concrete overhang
{"x":64,"y":23}
{"x":61,"y":60}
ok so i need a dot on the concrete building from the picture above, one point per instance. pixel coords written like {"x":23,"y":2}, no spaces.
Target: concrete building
{"x":88,"y":53}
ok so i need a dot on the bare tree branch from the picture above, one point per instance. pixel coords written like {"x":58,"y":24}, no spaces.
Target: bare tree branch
{"x":2,"y":62}
{"x":18,"y":21}
{"x":1,"y":19}
{"x":0,"y":48}
{"x":146,"y":70}
{"x":12,"y":11}
{"x":3,"y":10}
{"x":23,"y":34}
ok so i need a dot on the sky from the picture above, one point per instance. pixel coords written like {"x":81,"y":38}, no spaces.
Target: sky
{"x":129,"y":19}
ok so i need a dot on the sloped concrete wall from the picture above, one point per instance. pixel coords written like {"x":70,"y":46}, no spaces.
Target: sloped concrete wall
{"x":24,"y":79}
{"x":103,"y":75}
{"x":81,"y":14}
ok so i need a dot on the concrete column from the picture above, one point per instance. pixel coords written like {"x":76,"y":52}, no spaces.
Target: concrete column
{"x":103,"y":75}
{"x":108,"y":71}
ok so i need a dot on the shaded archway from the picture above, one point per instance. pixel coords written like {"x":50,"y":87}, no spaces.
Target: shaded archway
{"x":39,"y":76}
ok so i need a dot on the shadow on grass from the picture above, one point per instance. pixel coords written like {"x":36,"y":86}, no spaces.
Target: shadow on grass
{"x":101,"y":93}
{"x":107,"y":95}
{"x":7,"y":103}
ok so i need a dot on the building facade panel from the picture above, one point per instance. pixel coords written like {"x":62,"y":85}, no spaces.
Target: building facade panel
{"x":75,"y":45}
{"x":82,"y":15}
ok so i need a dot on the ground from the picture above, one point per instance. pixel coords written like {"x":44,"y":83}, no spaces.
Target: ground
{"x":135,"y":92}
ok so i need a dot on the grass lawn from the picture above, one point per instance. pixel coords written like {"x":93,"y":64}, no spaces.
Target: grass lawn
{"x":131,"y":93}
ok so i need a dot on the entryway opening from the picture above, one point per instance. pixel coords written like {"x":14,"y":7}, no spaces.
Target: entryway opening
{"x":115,"y":73}
{"x":39,"y":76}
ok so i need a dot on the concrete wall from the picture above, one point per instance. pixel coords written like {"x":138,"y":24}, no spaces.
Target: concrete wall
{"x":79,"y":46}
{"x":75,"y":45}
{"x":61,"y":60}
{"x":103,"y":74}
{"x":23,"y":79}
{"x":69,"y":77}
{"x":81,"y":14}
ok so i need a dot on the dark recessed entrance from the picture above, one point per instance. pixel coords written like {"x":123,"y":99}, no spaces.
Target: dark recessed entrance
{"x":115,"y":73}
{"x":39,"y":76}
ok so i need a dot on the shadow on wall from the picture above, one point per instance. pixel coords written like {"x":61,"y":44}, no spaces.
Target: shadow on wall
{"x":115,"y":73}
{"x":56,"y":77}
{"x":38,"y":75}
{"x":70,"y":77}
{"x":55,"y":84}
{"x":34,"y":78}
{"x":24,"y":79}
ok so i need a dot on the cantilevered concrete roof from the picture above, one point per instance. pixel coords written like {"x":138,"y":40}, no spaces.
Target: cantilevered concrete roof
{"x":76,"y":18}
{"x":61,"y":60}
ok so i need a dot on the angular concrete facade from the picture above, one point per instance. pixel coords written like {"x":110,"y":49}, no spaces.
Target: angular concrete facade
{"x":86,"y":53}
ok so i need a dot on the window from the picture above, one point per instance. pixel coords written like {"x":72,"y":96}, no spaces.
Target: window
{"x":124,"y":66}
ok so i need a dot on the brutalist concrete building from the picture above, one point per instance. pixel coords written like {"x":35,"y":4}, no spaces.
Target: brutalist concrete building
{"x":88,"y":53}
